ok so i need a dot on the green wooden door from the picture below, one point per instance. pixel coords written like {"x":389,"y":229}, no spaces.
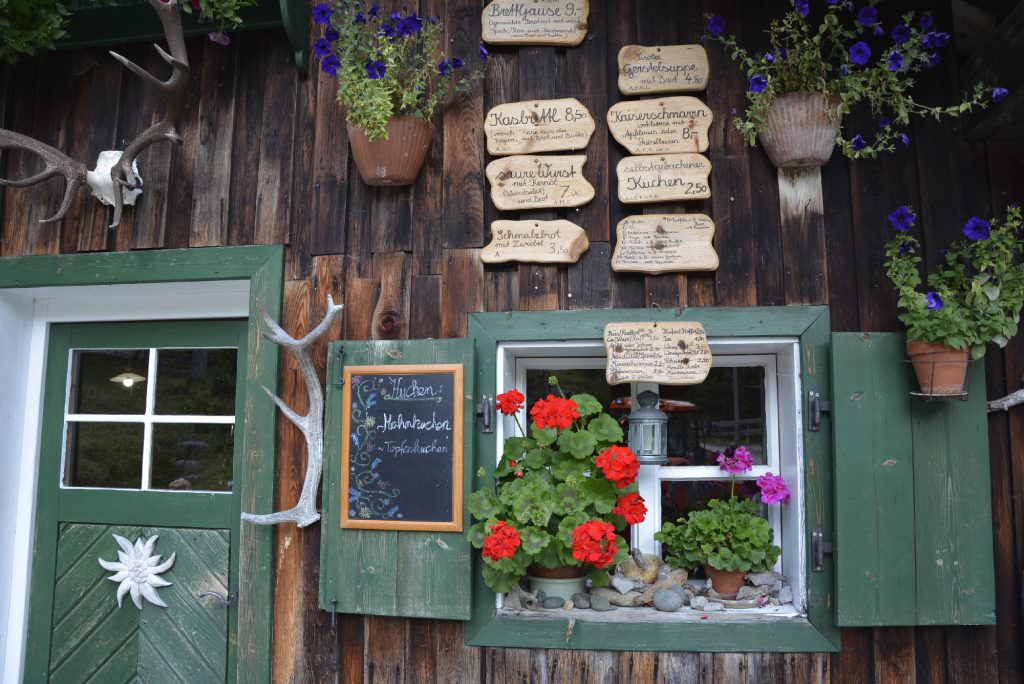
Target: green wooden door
{"x":137,"y":468}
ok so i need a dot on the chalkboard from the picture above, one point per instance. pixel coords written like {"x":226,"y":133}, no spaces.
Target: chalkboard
{"x":401,"y":454}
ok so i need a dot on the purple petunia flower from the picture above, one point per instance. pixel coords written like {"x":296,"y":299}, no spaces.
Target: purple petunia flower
{"x":331,"y":34}
{"x":484,"y":53}
{"x":758,"y":83}
{"x":360,"y":18}
{"x":409,"y":26}
{"x":900,"y":34}
{"x":716,"y":25}
{"x":926,"y":21}
{"x":867,"y":16}
{"x":844,"y":70}
{"x":783,"y":53}
{"x":375,"y":69}
{"x":977,"y":228}
{"x":388,"y":30}
{"x":322,"y":13}
{"x":934,"y":300}
{"x":330,"y":65}
{"x":858,"y":143}
{"x":374,"y":10}
{"x":444,"y":66}
{"x":322,"y":48}
{"x":999,"y":94}
{"x":878,"y":30}
{"x":934,"y":41}
{"x":457,"y":63}
{"x":803,"y":7}
{"x":902,"y":218}
{"x":431,"y":20}
{"x":884,"y":121}
{"x":396,"y":15}
{"x":219,"y":37}
{"x":770,"y":58}
{"x":933,"y":59}
{"x":906,"y":248}
{"x":904,"y":139}
{"x":860,"y":53}
{"x":895,"y":60}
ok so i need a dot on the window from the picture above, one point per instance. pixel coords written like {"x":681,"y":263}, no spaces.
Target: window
{"x":150,"y":419}
{"x":750,"y":398}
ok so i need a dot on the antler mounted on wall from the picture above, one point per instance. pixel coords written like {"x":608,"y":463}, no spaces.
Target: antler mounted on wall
{"x":115,"y":180}
{"x":311,"y":425}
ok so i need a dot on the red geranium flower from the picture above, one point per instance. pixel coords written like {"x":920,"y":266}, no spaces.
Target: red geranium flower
{"x":510,"y":402}
{"x":631,"y":507}
{"x":619,"y":465}
{"x":555,"y":412}
{"x":593,"y":542}
{"x":502,"y":542}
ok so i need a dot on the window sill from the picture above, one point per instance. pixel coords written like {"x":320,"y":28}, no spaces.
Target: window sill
{"x":766,"y":615}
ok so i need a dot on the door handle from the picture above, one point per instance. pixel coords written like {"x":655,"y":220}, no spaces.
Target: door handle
{"x":226,"y":600}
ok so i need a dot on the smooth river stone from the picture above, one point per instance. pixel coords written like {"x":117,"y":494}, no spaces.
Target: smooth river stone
{"x":662,"y":69}
{"x":538,"y":126}
{"x":661,"y":125}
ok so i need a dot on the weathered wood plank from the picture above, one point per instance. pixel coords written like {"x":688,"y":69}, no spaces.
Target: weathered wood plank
{"x":391,"y":311}
{"x":801,"y":210}
{"x":245,"y":152}
{"x":328,"y":190}
{"x":276,"y":155}
{"x":461,"y":283}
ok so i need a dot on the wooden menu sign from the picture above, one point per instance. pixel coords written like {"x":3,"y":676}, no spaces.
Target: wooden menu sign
{"x":548,"y":182}
{"x":662,"y":69}
{"x":661,"y":125}
{"x":663,"y":178}
{"x":674,"y":353}
{"x":535,"y":22}
{"x":538,"y":126}
{"x":401,"y":454}
{"x":540,"y":242}
{"x":664,"y":243}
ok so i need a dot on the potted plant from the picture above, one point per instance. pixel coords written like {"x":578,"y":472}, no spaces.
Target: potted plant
{"x":974,"y":296}
{"x":815,"y":71}
{"x":392,"y":77}
{"x":559,"y":496}
{"x":728,"y":537}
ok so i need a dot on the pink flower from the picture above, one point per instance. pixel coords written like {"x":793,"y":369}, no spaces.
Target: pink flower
{"x":740,"y":461}
{"x":773,"y":489}
{"x":219,"y":37}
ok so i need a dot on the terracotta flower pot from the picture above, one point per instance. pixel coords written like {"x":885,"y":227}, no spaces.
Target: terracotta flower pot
{"x":726,"y":582}
{"x":798,"y":132}
{"x":397,"y":159}
{"x":563,"y":572}
{"x":939,"y":369}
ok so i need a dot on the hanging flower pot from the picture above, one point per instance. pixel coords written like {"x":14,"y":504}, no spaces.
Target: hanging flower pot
{"x":397,"y":159}
{"x":939,"y":369}
{"x":726,"y":582}
{"x":798,"y":131}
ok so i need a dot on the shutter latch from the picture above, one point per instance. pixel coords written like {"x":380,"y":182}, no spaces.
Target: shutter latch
{"x":819,"y":547}
{"x":485,"y":409}
{"x":815,"y":407}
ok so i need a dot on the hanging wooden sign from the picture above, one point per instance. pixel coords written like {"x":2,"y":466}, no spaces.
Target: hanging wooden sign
{"x":675,"y":353}
{"x":540,"y":242}
{"x":662,"y":69}
{"x":538,"y":126}
{"x":549,"y":182}
{"x":665,"y":243}
{"x":663,"y":178}
{"x":401,"y":454}
{"x":661,"y":125}
{"x":535,"y":22}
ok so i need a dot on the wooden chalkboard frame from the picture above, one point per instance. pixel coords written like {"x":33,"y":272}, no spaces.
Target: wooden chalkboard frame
{"x":456,"y":523}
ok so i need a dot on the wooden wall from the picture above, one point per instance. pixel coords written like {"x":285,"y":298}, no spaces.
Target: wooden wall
{"x":265,"y":160}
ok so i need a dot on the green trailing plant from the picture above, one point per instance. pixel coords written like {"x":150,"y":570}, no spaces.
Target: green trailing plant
{"x":974,"y":296}
{"x":560,"y":495}
{"x":389,"y":64}
{"x":728,"y":534}
{"x":845,"y":54}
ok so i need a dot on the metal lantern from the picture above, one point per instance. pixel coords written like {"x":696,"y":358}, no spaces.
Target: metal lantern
{"x":648,"y":430}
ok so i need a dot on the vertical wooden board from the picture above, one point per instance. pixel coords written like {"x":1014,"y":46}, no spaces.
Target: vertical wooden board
{"x":392,"y":217}
{"x":801,"y":211}
{"x":841,"y":255}
{"x":17,"y":224}
{"x":953,"y":541}
{"x":930,"y":655}
{"x":51,"y":126}
{"x":328,"y":190}
{"x":245,"y":152}
{"x":971,"y":654}
{"x":570,"y":667}
{"x":464,"y":191}
{"x":456,"y":662}
{"x":462,"y":285}
{"x":425,"y":302}
{"x":183,"y":173}
{"x":427,"y":194}
{"x":391,"y":311}
{"x":854,"y":660}
{"x":386,"y":642}
{"x":894,"y":654}
{"x":874,"y":480}
{"x":590,"y":279}
{"x":215,"y":133}
{"x":300,"y":219}
{"x":273,"y":180}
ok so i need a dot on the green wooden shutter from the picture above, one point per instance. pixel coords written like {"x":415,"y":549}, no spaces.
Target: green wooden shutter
{"x":913,"y":541}
{"x":411,"y":574}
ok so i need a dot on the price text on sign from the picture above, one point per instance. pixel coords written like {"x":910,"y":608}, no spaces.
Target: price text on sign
{"x":661,"y":125}
{"x":674,"y":353}
{"x":538,"y":126}
{"x":548,"y":182}
{"x":663,"y":178}
{"x":540,"y":242}
{"x":665,"y":243}
{"x":535,"y":22}
{"x":662,"y":69}
{"x":401,"y":454}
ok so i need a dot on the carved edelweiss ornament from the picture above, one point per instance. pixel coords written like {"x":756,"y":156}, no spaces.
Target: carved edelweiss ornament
{"x":138,"y":571}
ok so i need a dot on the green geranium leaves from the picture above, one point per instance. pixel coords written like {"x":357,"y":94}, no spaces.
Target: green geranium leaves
{"x":588,"y":405}
{"x":484,"y":504}
{"x":580,"y":444}
{"x":728,"y":535}
{"x":605,"y":429}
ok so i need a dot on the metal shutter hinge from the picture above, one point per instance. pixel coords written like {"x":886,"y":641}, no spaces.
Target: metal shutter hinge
{"x":819,"y":547}
{"x":485,"y":409}
{"x":815,"y":407}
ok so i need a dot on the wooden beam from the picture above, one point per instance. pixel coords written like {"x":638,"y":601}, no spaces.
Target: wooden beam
{"x":996,"y":65}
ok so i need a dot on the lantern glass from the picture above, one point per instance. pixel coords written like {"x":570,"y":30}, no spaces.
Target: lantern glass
{"x":648,"y":430}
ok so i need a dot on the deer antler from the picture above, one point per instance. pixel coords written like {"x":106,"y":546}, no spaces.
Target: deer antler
{"x":172,"y":92}
{"x":123,"y":178}
{"x":57,"y":164}
{"x":311,"y":425}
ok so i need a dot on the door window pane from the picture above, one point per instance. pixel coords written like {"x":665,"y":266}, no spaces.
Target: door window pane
{"x":577,"y":381}
{"x":109,"y":381}
{"x":104,"y":455}
{"x":196,"y":382}
{"x":187,"y":457}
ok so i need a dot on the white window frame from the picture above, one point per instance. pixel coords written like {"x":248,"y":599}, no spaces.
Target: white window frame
{"x":147,"y":419}
{"x":783,"y":421}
